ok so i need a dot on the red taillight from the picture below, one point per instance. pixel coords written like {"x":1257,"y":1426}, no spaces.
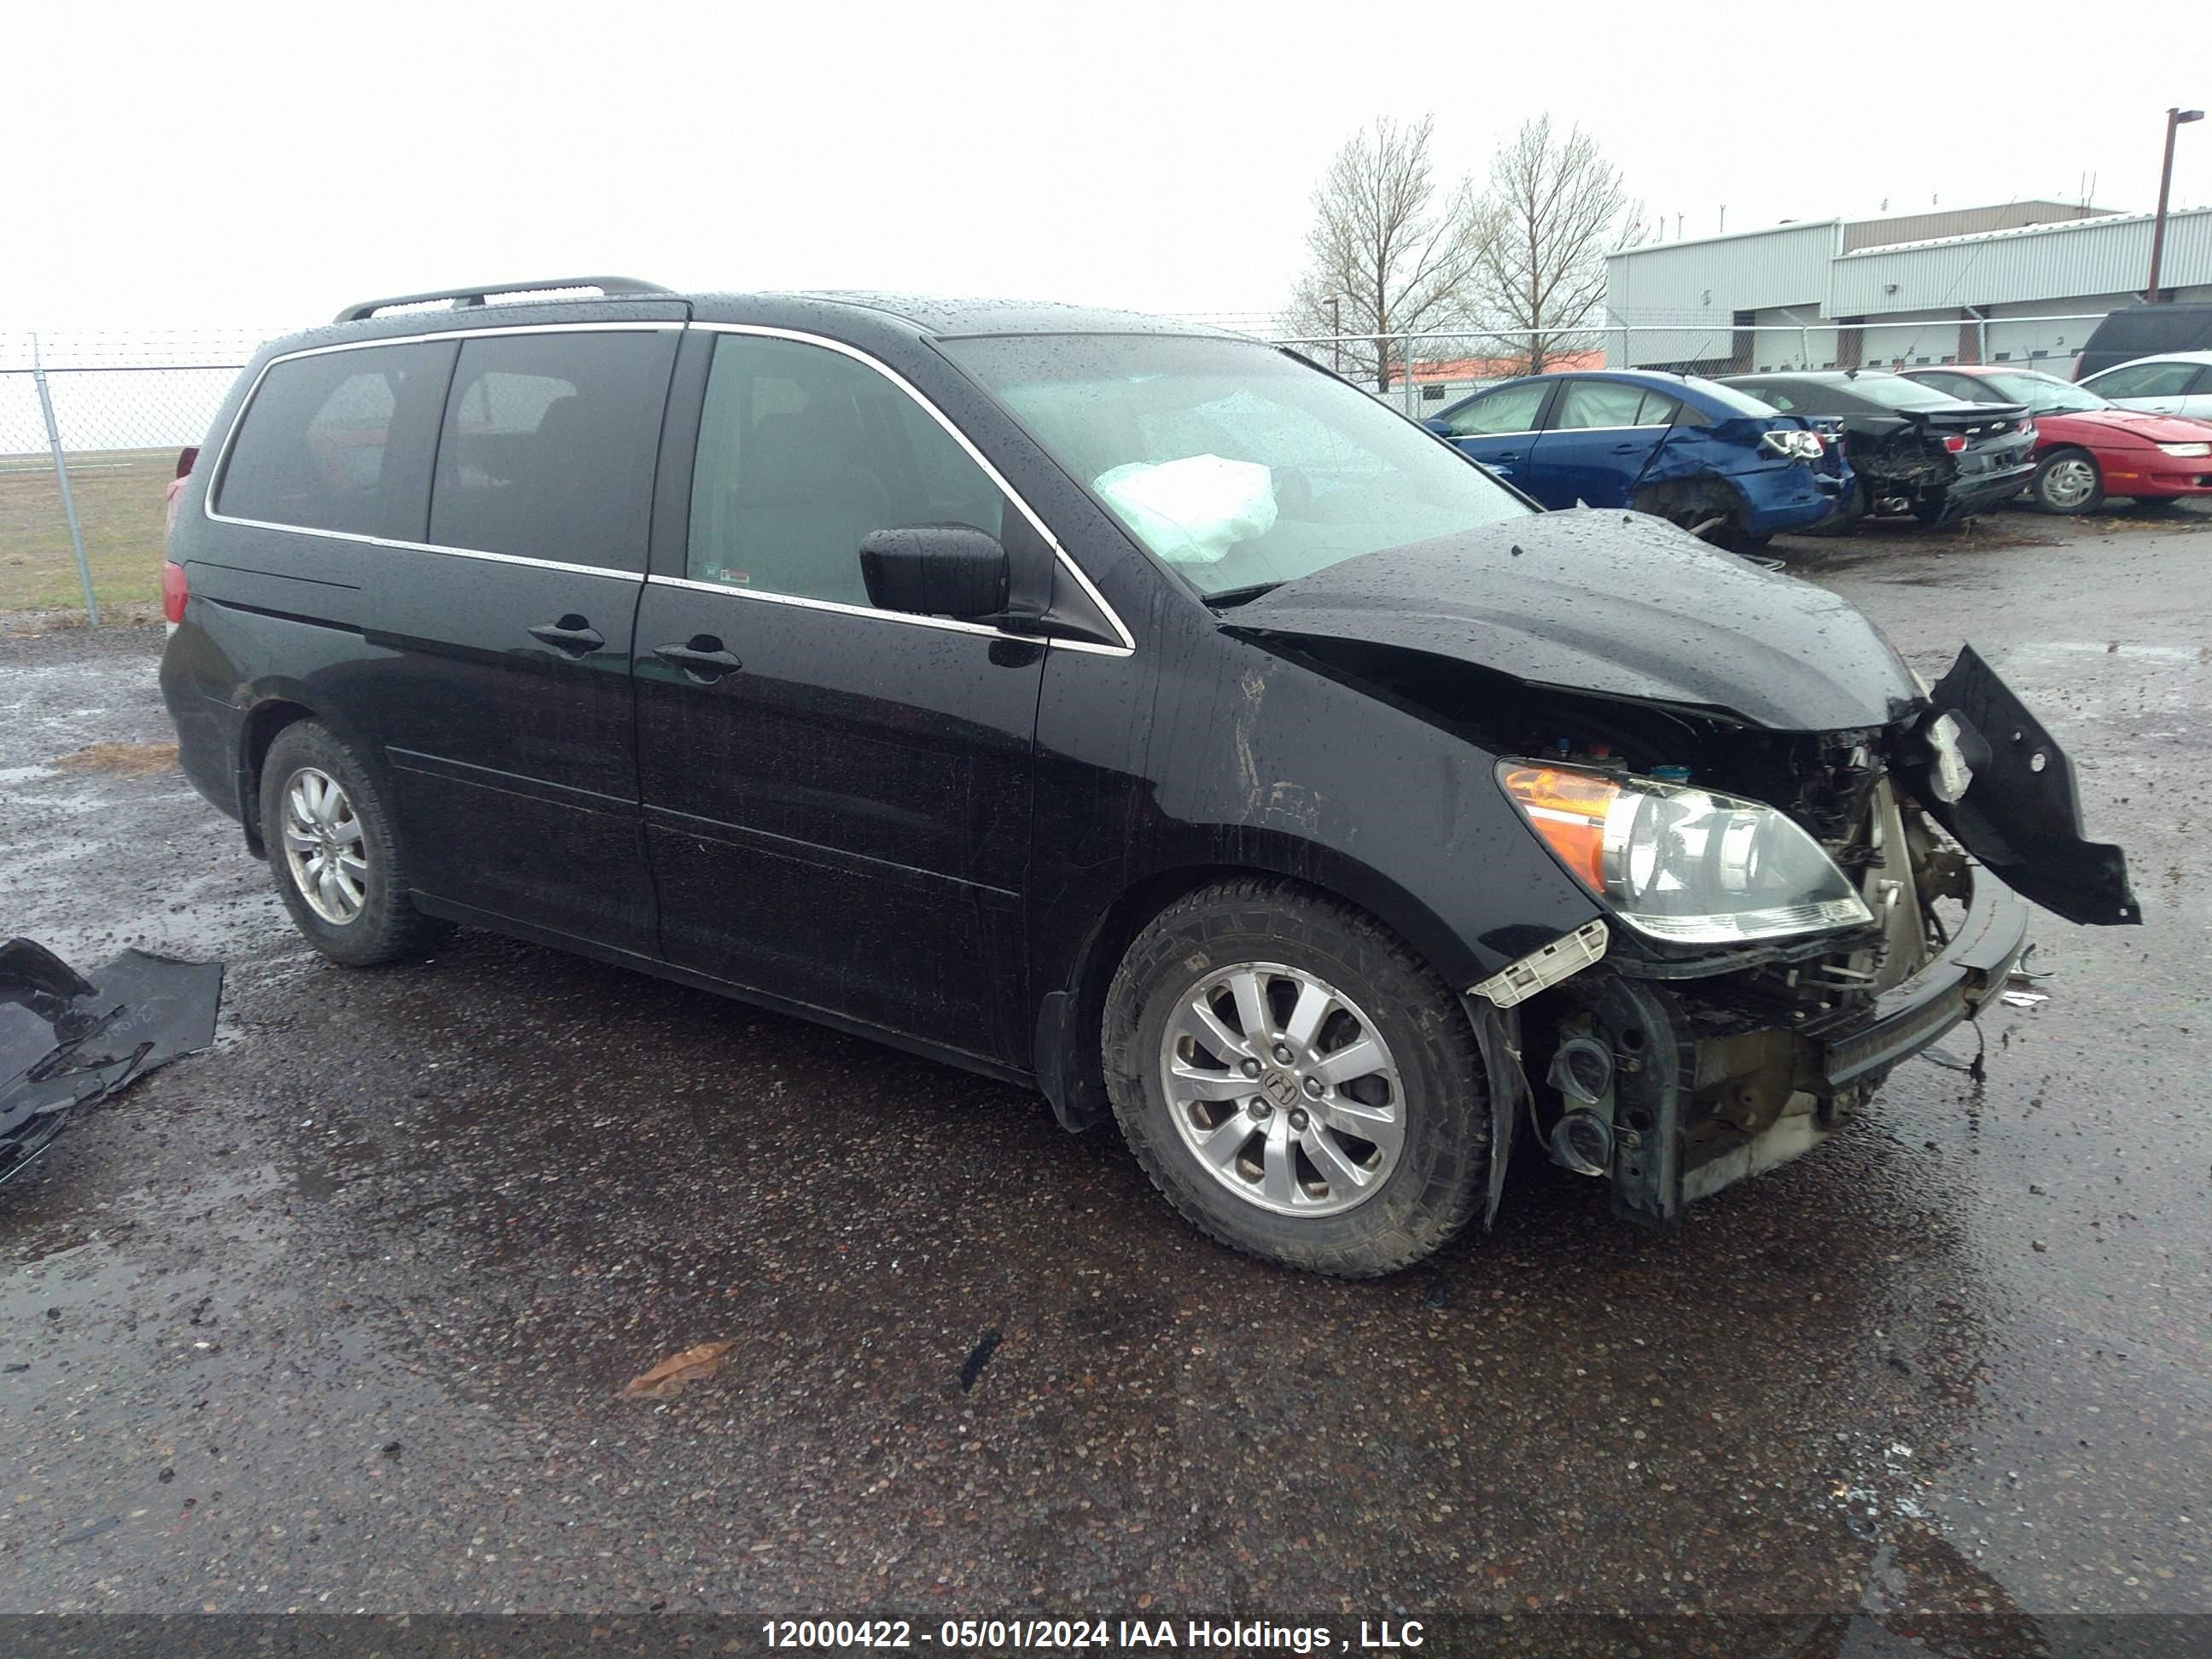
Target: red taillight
{"x":1954,"y":443}
{"x":174,"y":592}
{"x":186,"y":459}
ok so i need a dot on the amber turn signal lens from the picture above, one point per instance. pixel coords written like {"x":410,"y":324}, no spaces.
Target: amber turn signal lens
{"x":1568,"y":810}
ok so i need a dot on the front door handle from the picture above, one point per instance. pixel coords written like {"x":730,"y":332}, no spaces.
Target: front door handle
{"x":701,"y":657}
{"x":1626,"y":449}
{"x":1508,"y":454}
{"x":572,"y":635}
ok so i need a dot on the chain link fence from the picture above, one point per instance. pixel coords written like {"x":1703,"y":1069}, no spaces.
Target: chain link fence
{"x":91,"y":425}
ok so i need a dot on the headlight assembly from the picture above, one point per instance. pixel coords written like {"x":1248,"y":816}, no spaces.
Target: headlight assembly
{"x":1683,"y":865}
{"x":2186,"y":451}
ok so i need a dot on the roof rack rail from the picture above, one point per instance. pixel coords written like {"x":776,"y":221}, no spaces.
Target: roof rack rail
{"x":463,"y":298}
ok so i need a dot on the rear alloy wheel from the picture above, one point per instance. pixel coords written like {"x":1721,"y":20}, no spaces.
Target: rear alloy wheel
{"x":2068,"y":481}
{"x":334,"y":855}
{"x":324,"y":846}
{"x":1295,"y":1082}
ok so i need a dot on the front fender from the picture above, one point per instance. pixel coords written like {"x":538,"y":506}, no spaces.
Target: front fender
{"x":1215,"y":753}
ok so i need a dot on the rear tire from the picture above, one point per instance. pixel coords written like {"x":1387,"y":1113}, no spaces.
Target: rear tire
{"x":334,"y":855}
{"x":1359,"y":1154}
{"x":2068,"y":481}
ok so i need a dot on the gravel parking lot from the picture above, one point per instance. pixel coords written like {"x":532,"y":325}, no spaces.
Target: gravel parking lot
{"x":338,"y":1316}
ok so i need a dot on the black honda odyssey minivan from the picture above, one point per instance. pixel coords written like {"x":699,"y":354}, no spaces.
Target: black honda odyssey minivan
{"x":1118,"y":706}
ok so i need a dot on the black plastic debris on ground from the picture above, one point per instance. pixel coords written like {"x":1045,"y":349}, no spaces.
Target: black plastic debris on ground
{"x":977,"y":1359}
{"x":67,"y":1040}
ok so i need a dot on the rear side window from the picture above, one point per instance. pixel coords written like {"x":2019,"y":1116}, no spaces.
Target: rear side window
{"x":803,"y":452}
{"x":548,"y":446}
{"x":1960,"y":387}
{"x":1588,"y":404}
{"x":1733,"y":398}
{"x":340,"y":440}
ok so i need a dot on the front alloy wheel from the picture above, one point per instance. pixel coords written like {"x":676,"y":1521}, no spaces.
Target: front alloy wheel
{"x":1294,"y":1081}
{"x":1283,"y":1089}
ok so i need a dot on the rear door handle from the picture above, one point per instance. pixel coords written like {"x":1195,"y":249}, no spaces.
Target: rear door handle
{"x":572,"y":635}
{"x":702,"y":657}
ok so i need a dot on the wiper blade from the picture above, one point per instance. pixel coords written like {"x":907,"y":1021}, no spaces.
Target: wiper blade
{"x":1229,"y":598}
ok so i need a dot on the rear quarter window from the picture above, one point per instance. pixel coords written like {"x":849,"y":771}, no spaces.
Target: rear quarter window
{"x":339,"y":441}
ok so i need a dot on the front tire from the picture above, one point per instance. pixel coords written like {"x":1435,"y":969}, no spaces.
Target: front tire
{"x":1297,"y":1084}
{"x":2068,"y":481}
{"x":334,"y":855}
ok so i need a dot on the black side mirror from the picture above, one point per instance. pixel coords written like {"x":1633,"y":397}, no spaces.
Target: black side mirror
{"x":936,"y":570}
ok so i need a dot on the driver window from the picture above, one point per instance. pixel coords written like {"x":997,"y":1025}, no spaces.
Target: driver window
{"x":2146,"y":380}
{"x":803,"y":454}
{"x":1509,"y":408}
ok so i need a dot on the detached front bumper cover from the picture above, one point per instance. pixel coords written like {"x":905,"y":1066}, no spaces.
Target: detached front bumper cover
{"x":67,"y":1040}
{"x":2021,"y":816}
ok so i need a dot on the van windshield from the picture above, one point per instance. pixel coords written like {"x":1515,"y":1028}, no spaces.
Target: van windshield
{"x":1236,"y":466}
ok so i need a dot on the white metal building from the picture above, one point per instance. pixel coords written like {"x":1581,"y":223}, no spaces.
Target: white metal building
{"x":2024,"y":283}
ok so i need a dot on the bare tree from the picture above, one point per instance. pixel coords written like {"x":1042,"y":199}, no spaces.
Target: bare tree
{"x":1389,"y":255}
{"x":1554,"y":209}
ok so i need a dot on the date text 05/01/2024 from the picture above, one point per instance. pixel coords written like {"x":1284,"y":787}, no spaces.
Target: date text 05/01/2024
{"x":1241,"y":1636}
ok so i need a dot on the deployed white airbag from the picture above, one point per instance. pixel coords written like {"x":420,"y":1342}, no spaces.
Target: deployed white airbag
{"x":1194,"y":510}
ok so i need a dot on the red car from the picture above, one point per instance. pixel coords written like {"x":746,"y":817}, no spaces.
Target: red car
{"x":2087,"y":447}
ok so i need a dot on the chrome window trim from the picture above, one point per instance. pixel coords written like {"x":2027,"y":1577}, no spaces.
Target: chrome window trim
{"x":947,"y":625}
{"x":1126,"y":648}
{"x":1478,"y":437}
{"x":1128,"y":642}
{"x":433,"y":547}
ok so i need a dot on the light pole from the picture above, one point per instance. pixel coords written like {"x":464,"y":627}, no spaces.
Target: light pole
{"x":2175,"y":119}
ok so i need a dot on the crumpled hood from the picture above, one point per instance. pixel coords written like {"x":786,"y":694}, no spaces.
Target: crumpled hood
{"x":1619,"y":603}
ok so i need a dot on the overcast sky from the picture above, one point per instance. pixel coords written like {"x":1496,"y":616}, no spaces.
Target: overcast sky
{"x":225,"y":164}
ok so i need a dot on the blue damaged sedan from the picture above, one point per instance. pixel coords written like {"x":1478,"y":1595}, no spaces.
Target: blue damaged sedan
{"x":1715,"y":461}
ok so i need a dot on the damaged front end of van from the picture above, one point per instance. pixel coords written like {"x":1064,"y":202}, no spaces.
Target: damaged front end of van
{"x":1809,"y":865}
